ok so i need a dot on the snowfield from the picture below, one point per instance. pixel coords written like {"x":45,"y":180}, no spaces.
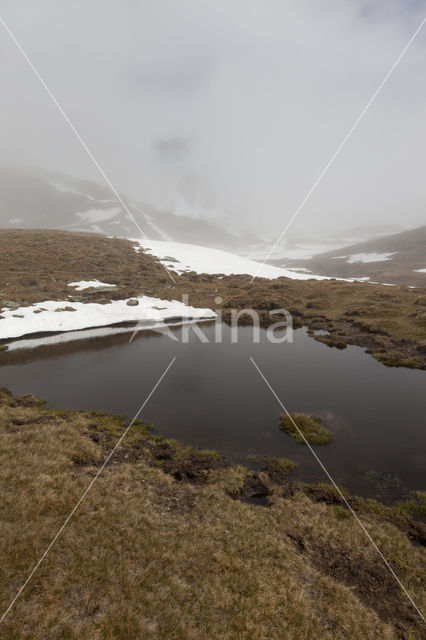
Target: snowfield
{"x":366,"y":257}
{"x":192,"y":257}
{"x":50,"y":315}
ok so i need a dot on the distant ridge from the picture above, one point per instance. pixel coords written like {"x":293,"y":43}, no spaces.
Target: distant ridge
{"x":394,"y":259}
{"x":35,"y":199}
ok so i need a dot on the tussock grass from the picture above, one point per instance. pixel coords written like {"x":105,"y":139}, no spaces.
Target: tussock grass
{"x":281,"y":464}
{"x":149,"y":556}
{"x":310,"y":427}
{"x":331,"y":342}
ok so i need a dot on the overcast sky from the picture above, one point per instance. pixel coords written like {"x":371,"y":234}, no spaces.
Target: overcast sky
{"x":228,"y":107}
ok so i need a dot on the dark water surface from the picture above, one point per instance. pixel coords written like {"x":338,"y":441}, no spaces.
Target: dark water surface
{"x":213,"y":397}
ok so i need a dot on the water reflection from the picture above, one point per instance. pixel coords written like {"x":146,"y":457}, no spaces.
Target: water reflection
{"x":214,"y":398}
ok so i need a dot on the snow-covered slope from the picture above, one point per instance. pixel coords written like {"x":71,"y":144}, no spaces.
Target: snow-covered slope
{"x":35,"y":199}
{"x":191,"y":257}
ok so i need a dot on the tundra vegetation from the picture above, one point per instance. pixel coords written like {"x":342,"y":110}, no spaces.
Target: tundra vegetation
{"x":165,"y":545}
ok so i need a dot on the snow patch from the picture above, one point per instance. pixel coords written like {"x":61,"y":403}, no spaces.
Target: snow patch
{"x":89,"y":284}
{"x":420,"y":270}
{"x":48,"y":319}
{"x":369,"y":257}
{"x":201,"y":259}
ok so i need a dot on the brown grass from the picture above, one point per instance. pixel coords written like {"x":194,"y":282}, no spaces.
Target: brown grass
{"x":150,"y":556}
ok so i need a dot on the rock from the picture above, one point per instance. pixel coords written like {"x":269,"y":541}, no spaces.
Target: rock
{"x":94,"y":290}
{"x":11,"y":304}
{"x":75,"y":298}
{"x":132,"y":302}
{"x":17,"y":315}
{"x":37,"y":310}
{"x":65,"y":309}
{"x":3,"y":347}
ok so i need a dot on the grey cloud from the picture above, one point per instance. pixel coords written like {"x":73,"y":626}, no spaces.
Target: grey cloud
{"x":257,"y":94}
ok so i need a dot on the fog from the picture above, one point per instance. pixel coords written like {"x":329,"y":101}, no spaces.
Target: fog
{"x":228,"y":109}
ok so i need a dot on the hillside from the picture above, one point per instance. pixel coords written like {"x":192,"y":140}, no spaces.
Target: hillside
{"x":394,"y":259}
{"x":35,"y":199}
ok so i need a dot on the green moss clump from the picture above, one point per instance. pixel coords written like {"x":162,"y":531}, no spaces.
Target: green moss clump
{"x":331,"y":342}
{"x":158,"y":438}
{"x":326,"y":488}
{"x":341,"y":513}
{"x":143,"y":428}
{"x":391,"y":359}
{"x":415,"y":506}
{"x":280,"y":464}
{"x":310,"y":428}
{"x":209,"y":454}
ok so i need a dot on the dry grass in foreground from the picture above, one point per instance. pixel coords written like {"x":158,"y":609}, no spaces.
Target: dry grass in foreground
{"x":162,"y":548}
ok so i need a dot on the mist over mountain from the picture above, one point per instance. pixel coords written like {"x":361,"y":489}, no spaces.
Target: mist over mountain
{"x":226,"y":110}
{"x":398,"y":258}
{"x":35,"y":199}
